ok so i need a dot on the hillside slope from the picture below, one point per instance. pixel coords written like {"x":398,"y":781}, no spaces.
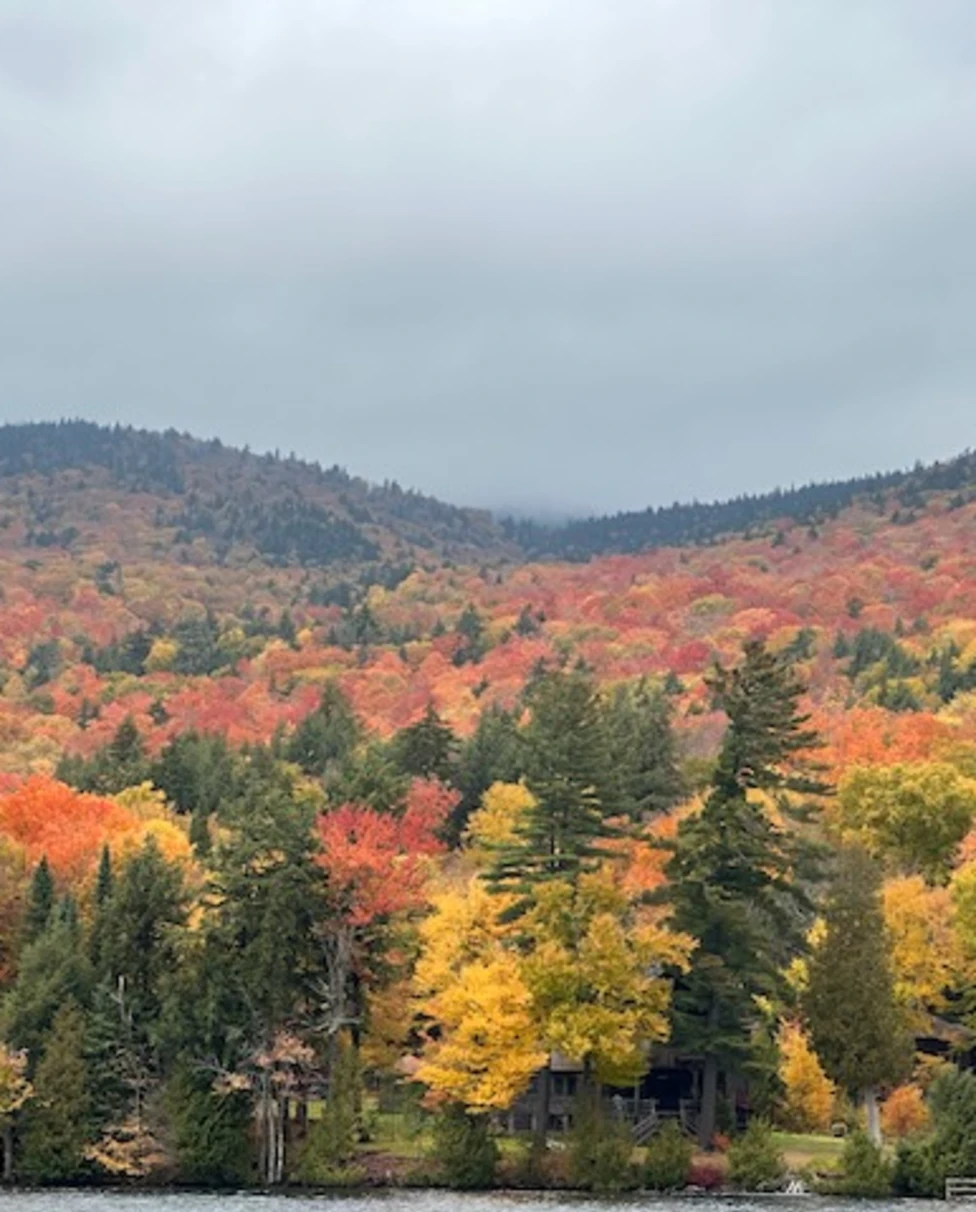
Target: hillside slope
{"x":74,"y":485}
{"x":147,"y":578}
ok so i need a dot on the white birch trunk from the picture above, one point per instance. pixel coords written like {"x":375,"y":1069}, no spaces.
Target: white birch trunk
{"x":870,"y":1095}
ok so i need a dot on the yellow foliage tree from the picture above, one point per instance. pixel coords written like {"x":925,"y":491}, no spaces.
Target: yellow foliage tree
{"x":925,"y":951}
{"x":488,"y":1050}
{"x":470,"y":987}
{"x":162,"y":655}
{"x":913,"y":814}
{"x":494,"y":824}
{"x":592,"y":974}
{"x":148,"y":804}
{"x":904,"y":1113}
{"x":963,"y":893}
{"x":808,"y":1097}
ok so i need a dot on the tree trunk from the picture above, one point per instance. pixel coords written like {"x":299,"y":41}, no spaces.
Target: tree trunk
{"x":281,"y":1123}
{"x":870,"y":1096}
{"x":542,"y":1107}
{"x":8,"y":1153}
{"x":284,"y":1115}
{"x":263,"y":1135}
{"x":709,"y":1102}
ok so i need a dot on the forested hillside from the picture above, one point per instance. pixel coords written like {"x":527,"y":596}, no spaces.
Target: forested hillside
{"x":165,"y":495}
{"x":187,"y":585}
{"x":307,"y":785}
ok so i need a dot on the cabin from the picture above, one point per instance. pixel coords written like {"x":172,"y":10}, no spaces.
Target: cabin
{"x":671,"y":1086}
{"x":669,"y":1089}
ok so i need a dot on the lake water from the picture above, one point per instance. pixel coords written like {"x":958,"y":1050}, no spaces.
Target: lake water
{"x":425,"y":1201}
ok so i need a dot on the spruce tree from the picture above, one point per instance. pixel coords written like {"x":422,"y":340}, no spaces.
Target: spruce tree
{"x":737,"y":877}
{"x":40,"y":901}
{"x":137,"y":951}
{"x":856,"y":1026}
{"x":254,"y":963}
{"x":326,"y":736}
{"x":426,"y":749}
{"x":569,"y":772}
{"x":494,"y":753}
{"x":196,"y":771}
{"x":103,"y":891}
{"x":53,"y":969}
{"x":58,"y":1124}
{"x":643,"y":750}
{"x":105,"y":879}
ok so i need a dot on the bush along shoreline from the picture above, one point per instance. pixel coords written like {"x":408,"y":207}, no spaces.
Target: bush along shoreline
{"x":454,"y":1150}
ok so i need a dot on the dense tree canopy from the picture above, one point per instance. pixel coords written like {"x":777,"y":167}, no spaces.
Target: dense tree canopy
{"x":307,"y":786}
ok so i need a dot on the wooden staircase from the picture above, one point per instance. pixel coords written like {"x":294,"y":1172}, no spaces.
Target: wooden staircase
{"x":645,"y":1128}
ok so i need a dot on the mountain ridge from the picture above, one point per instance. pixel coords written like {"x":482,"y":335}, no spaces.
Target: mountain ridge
{"x":219,"y":502}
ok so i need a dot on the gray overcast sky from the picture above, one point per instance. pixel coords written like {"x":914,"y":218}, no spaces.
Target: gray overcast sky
{"x":586,"y":254}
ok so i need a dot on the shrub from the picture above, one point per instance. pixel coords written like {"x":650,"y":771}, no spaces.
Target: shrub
{"x":464,"y":1150}
{"x":923,"y":1166}
{"x":211,"y":1132}
{"x":866,"y":1171}
{"x":904,"y":1113}
{"x":600,"y":1150}
{"x":915,"y":1172}
{"x":706,"y":1174}
{"x":669,"y":1154}
{"x":755,"y":1162}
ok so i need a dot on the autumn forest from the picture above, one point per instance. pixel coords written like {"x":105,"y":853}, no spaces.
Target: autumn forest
{"x":350,"y":837}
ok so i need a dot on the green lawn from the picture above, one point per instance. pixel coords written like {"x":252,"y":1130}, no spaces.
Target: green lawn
{"x":800,"y":1151}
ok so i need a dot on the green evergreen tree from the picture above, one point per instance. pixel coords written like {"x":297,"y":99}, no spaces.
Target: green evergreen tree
{"x":127,"y":753}
{"x":465,"y":1150}
{"x":57,"y":1120}
{"x":199,"y":835}
{"x":53,"y":970}
{"x":327,"y":736}
{"x":857,"y":1028}
{"x":108,"y":1060}
{"x":104,"y":884}
{"x":494,"y":753}
{"x":137,"y":951}
{"x":331,"y":1142}
{"x":40,"y":901}
{"x":255,"y":962}
{"x":105,"y":881}
{"x":369,"y":776}
{"x":568,"y":771}
{"x":470,"y":629}
{"x":426,"y":749}
{"x":527,"y":623}
{"x":196,"y":771}
{"x":643,"y":750}
{"x":119,"y":764}
{"x":737,"y":878}
{"x":211,"y":1131}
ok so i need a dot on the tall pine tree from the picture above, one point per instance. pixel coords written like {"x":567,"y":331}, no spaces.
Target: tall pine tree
{"x":40,"y":901}
{"x":569,"y":773}
{"x":643,"y":750}
{"x":737,"y":877}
